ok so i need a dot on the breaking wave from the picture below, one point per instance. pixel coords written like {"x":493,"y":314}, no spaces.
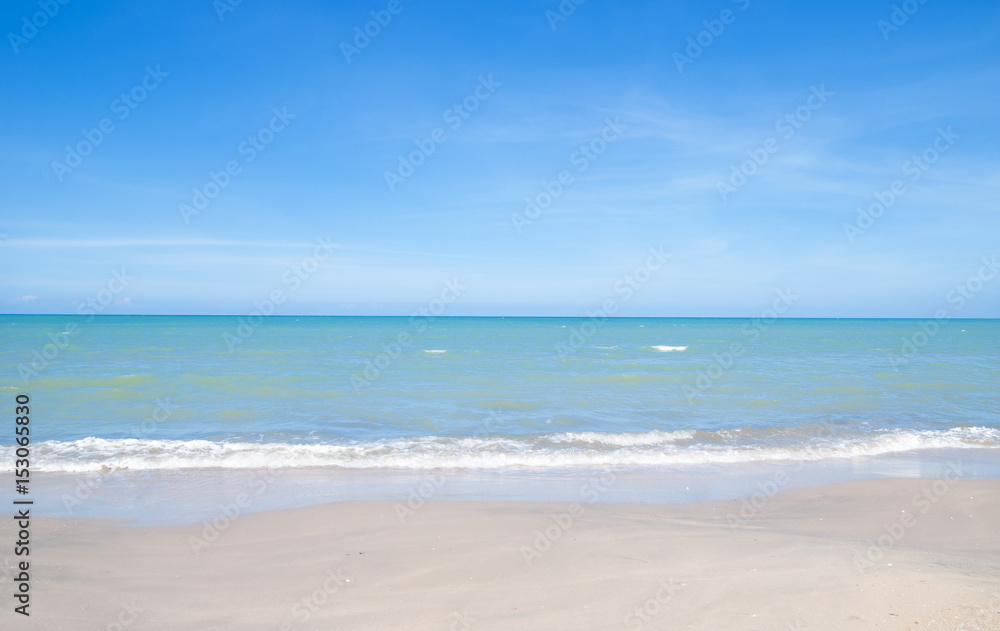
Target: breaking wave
{"x":557,"y":450}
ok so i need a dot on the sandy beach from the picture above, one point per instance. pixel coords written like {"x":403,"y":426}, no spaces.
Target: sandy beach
{"x":529,"y":316}
{"x":874,"y":554}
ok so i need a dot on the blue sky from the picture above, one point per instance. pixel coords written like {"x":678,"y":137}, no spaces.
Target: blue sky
{"x":546,"y":88}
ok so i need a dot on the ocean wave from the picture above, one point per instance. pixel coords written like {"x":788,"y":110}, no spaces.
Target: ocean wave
{"x":628,"y":439}
{"x":560,"y":450}
{"x":668,"y":349}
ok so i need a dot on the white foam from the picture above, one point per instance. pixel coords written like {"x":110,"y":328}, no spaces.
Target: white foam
{"x":667,"y":349}
{"x":655,"y":437}
{"x":434,"y":352}
{"x":568,"y":449}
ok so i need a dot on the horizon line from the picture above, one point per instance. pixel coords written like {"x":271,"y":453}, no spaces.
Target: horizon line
{"x":583,"y":317}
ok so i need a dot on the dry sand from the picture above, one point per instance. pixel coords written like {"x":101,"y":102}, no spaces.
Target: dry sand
{"x":800,"y":562}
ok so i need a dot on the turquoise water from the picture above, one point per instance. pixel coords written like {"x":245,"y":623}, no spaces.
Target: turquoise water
{"x":165,"y":392}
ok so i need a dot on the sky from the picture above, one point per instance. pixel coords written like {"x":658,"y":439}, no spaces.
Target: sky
{"x":514,"y":158}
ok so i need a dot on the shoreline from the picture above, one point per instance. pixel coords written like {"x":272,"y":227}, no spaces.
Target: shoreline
{"x":888,"y":554}
{"x":178,"y":496}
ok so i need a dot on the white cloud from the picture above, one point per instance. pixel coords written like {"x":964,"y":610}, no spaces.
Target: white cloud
{"x":134,"y":242}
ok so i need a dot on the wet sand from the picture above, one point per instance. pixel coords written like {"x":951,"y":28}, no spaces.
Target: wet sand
{"x":869,"y":554}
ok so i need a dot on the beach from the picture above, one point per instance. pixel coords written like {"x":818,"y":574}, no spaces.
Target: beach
{"x":504,"y":474}
{"x":462,"y":316}
{"x":866,"y":554}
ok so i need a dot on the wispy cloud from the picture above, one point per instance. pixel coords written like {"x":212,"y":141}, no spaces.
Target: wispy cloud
{"x":138,"y":242}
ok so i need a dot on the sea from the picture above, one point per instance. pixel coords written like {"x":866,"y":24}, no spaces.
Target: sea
{"x":166,"y":417}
